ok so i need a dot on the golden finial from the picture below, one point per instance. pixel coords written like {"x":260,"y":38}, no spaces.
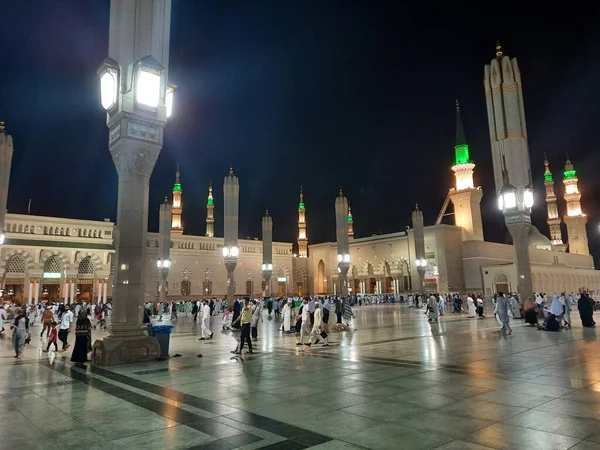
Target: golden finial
{"x":267,"y":213}
{"x":416,"y":206}
{"x":177,"y":174}
{"x":498,"y":50}
{"x":301,"y":194}
{"x":2,"y":127}
{"x":166,"y":200}
{"x":231,"y":170}
{"x":457,"y":105}
{"x":341,"y":193}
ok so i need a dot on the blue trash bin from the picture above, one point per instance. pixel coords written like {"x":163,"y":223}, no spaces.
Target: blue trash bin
{"x":162,"y":333}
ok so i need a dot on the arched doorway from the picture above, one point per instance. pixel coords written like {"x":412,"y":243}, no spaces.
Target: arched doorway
{"x":321,"y":283}
{"x":501,"y":283}
{"x":186,"y":282}
{"x":53,"y":274}
{"x":388,"y":281}
{"x":372,"y":282}
{"x":85,"y":279}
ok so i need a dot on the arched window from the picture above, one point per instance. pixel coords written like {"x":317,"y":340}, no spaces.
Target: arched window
{"x":53,"y":264}
{"x":86,"y":266}
{"x":15,"y":264}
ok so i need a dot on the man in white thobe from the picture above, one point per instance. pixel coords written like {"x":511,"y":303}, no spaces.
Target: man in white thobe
{"x":432,"y":308}
{"x":287,"y":316}
{"x":206,"y":333}
{"x":315,"y":334}
{"x":471,"y":306}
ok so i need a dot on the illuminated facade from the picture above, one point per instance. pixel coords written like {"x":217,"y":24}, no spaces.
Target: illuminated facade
{"x":574,"y":219}
{"x":210,"y":213}
{"x":553,"y":217}
{"x":465,"y":197}
{"x":176,"y":223}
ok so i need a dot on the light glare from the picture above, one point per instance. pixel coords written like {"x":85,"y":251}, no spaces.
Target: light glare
{"x":148,"y":88}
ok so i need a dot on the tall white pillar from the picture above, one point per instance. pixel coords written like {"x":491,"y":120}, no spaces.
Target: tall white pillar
{"x":73,"y":285}
{"x":267,"y":239}
{"x":343,"y":244}
{"x":104,"y":291}
{"x":99,"y":291}
{"x":6,"y":153}
{"x":30,"y":293}
{"x":37,"y":291}
{"x":231,"y":195}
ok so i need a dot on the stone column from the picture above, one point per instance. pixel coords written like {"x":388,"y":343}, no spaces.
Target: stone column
{"x":520,"y":234}
{"x":343,"y":245}
{"x":231,"y":195}
{"x":37,"y":291}
{"x":139,"y":58}
{"x":30,"y":293}
{"x":6,"y":152}
{"x":104,"y":291}
{"x":419,"y":237}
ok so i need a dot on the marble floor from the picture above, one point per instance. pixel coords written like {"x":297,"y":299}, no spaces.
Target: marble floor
{"x":396,"y":382}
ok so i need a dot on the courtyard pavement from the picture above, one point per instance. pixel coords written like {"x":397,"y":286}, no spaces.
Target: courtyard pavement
{"x":397,"y":382}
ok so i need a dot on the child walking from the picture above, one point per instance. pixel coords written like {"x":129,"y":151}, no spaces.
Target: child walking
{"x":52,"y":339}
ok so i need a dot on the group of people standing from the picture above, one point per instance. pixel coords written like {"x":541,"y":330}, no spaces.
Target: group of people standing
{"x":57,"y":321}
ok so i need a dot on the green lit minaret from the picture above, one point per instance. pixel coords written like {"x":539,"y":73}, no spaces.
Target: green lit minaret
{"x":302,"y":239}
{"x":176,"y":223}
{"x":465,"y":197}
{"x":210,"y":213}
{"x":350,"y":224}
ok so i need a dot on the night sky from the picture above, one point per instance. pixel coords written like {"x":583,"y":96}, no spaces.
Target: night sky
{"x":324,"y":94}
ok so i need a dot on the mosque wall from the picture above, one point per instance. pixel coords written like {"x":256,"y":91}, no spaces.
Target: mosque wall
{"x":545,"y":279}
{"x":197,"y":268}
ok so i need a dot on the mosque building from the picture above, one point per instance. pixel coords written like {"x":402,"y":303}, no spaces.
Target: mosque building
{"x":51,"y":259}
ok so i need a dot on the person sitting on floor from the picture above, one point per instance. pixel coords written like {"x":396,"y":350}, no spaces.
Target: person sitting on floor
{"x":551,"y":324}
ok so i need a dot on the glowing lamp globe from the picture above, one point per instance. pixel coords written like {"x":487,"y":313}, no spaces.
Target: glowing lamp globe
{"x":108,"y":89}
{"x":147,"y":88}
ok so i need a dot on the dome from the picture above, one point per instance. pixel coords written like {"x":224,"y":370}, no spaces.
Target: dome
{"x":536,"y":239}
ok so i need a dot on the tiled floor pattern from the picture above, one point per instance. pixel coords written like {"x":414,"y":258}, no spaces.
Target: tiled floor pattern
{"x":396,"y":382}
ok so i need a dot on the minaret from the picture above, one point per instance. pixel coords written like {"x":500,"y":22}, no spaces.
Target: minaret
{"x":553,"y":217}
{"x":176,"y":224}
{"x":465,"y":197}
{"x":267,"y":241}
{"x":231,"y":200}
{"x":210,"y":213}
{"x":302,"y":239}
{"x":575,"y":219}
{"x":350,"y":224}
{"x":6,"y":153}
{"x":343,"y":247}
{"x":510,"y":157}
{"x":163,"y":262}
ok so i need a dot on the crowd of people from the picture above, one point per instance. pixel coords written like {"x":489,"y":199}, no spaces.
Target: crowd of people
{"x":309,"y":318}
{"x":57,"y":321}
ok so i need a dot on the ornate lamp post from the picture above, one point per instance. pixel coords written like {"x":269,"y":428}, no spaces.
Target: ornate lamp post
{"x":231,"y":194}
{"x":267,"y":238}
{"x":138,"y":101}
{"x":343,"y":245}
{"x":163,"y":262}
{"x":510,"y":156}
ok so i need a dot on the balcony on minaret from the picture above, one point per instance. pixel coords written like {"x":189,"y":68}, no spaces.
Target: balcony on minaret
{"x":464,"y":176}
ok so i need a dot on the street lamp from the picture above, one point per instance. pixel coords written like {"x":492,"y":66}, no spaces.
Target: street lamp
{"x":421,"y":263}
{"x":163,"y":263}
{"x":507,"y":200}
{"x":528,"y":196}
{"x":109,"y":83}
{"x":231,"y":252}
{"x":148,"y":77}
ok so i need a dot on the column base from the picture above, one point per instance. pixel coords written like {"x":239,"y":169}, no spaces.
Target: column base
{"x":115,"y":350}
